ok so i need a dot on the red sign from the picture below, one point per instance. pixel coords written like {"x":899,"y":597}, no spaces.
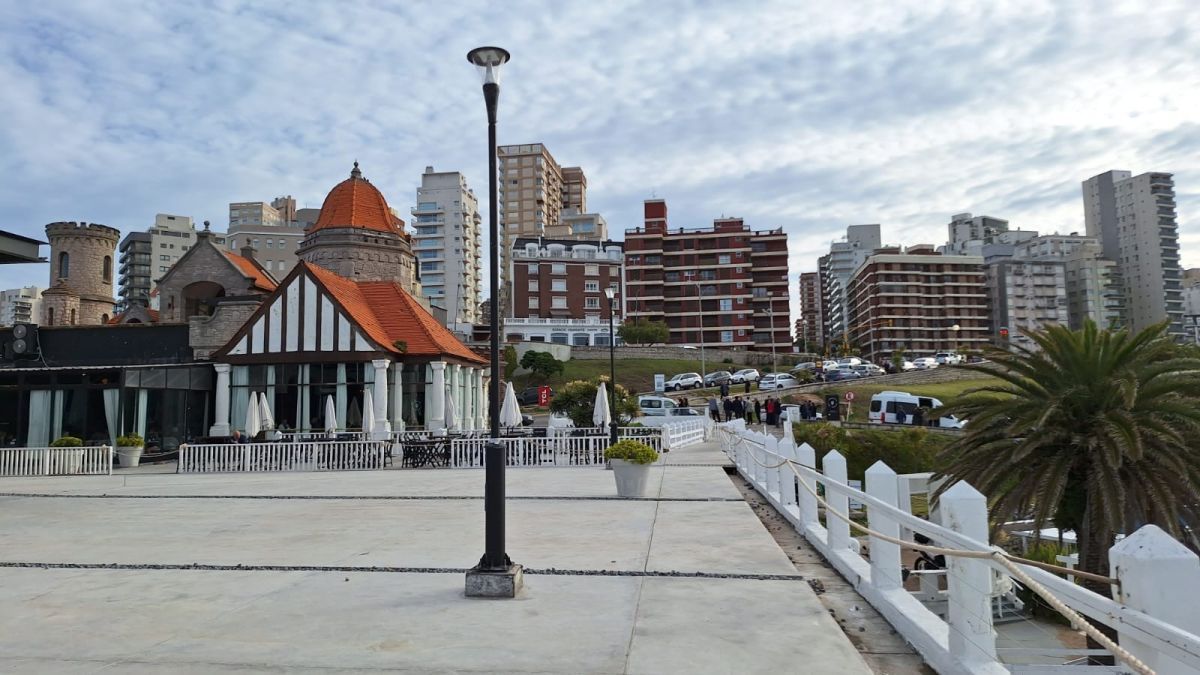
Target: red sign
{"x":543,"y":396}
{"x":849,"y":396}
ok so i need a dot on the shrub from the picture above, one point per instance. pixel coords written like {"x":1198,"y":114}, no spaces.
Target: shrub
{"x":542,"y":364}
{"x":510,"y":362}
{"x":67,"y":442}
{"x":577,"y":400}
{"x":726,"y":360}
{"x":632,"y":451}
{"x":130,"y":441}
{"x":912,"y":450}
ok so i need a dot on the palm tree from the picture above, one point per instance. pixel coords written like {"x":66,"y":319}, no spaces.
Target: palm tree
{"x":1092,"y":430}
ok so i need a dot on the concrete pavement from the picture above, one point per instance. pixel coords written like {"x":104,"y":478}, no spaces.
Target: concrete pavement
{"x":657,"y":609}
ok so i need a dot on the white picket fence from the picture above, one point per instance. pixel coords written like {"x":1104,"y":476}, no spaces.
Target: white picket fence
{"x":676,"y":435}
{"x":532,"y":451}
{"x":296,"y":456}
{"x":89,"y":461}
{"x":1159,"y":578}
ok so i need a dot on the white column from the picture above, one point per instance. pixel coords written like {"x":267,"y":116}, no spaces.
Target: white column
{"x":451,"y":390}
{"x":481,"y":421}
{"x":398,"y":396}
{"x":382,"y":428}
{"x":972,"y":639}
{"x":220,"y":425}
{"x":484,"y":402}
{"x":435,"y":414}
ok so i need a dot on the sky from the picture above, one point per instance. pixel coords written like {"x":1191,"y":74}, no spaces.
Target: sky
{"x":807,"y":116}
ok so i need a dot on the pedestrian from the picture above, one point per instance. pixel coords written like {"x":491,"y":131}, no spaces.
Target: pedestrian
{"x":725,"y":389}
{"x":771,"y":411}
{"x":683,"y":401}
{"x":758,"y":411}
{"x":237,"y":437}
{"x":747,"y":386}
{"x":728,"y":406}
{"x":714,"y":409}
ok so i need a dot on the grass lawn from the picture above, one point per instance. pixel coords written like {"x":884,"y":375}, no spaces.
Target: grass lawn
{"x":944,"y":391}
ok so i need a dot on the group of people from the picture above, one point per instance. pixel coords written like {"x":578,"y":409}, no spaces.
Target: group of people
{"x":768,"y":411}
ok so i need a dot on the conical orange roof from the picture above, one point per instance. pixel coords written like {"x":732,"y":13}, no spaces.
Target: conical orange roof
{"x":356,"y":203}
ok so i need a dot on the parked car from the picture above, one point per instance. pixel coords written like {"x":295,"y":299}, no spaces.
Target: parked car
{"x":652,"y":406}
{"x":716,"y":378}
{"x":949,"y":358}
{"x":868,"y":369}
{"x":672,"y":415}
{"x":828,"y":365}
{"x":907,"y":365}
{"x":529,"y":396}
{"x":806,"y":366}
{"x":849,"y":361}
{"x":777,"y":381}
{"x":840,"y":374}
{"x":684,"y":381}
{"x":901,"y":407}
{"x":925,"y":363}
{"x":745,"y":375}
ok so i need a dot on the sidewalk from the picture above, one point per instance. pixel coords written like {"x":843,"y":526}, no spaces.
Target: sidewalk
{"x":613,"y":584}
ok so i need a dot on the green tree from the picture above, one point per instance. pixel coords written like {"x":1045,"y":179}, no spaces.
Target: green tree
{"x":898,"y":359}
{"x":542,"y":364}
{"x":577,"y":400}
{"x":510,"y":362}
{"x":1091,"y":430}
{"x":643,"y":332}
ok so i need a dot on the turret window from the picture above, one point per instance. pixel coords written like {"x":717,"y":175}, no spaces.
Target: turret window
{"x":64,"y":265}
{"x":108,"y":269}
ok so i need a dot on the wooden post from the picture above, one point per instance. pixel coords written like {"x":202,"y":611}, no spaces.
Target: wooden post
{"x":972,"y":639}
{"x":885,"y":556}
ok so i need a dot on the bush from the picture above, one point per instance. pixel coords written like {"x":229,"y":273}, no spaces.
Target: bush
{"x":632,"y":451}
{"x":577,"y":400}
{"x":726,"y":360}
{"x":510,"y":362}
{"x":912,"y":450}
{"x":542,"y":364}
{"x":130,"y":441}
{"x":67,"y":442}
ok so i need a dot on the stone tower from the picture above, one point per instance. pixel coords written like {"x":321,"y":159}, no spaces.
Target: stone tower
{"x":357,"y":236}
{"x":82,"y":274}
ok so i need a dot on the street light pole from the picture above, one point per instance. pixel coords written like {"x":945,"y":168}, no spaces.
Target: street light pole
{"x":612,"y":367}
{"x":771,"y":328}
{"x":495,"y":575}
{"x":700,"y":316}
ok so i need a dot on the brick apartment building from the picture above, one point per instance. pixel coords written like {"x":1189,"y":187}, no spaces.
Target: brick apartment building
{"x":918,"y":300}
{"x":724,"y":286}
{"x":558,"y":290}
{"x":810,"y":328}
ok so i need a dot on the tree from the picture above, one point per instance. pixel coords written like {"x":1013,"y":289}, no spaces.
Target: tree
{"x":643,"y":332}
{"x":898,"y":359}
{"x":577,"y":400}
{"x":510,"y":362}
{"x":542,"y":364}
{"x":1091,"y":430}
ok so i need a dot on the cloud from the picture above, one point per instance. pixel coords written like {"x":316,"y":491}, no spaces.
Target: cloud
{"x":806,"y":117}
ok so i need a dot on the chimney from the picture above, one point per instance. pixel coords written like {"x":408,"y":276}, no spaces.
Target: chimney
{"x":205,"y":233}
{"x":248,"y":252}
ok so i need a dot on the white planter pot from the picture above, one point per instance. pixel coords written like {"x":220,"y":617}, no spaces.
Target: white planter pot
{"x":631,"y":478}
{"x":129,"y":457}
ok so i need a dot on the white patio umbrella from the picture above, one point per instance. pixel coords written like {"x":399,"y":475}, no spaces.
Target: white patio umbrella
{"x":601,"y":414}
{"x":368,"y":411}
{"x":510,"y":412}
{"x":253,"y":423}
{"x":265,"y":419}
{"x":451,"y":412}
{"x":331,"y":424}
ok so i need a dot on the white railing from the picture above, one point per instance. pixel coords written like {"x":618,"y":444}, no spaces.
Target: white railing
{"x":297,"y":456}
{"x":1159,"y":578}
{"x":532,"y":451}
{"x":676,"y":435}
{"x":82,"y":461}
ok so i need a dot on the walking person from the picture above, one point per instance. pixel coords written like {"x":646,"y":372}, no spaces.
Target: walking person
{"x":714,"y":408}
{"x":728,"y":406}
{"x":758,"y":411}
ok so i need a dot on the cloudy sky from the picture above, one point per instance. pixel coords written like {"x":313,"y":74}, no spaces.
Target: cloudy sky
{"x":808,"y":116}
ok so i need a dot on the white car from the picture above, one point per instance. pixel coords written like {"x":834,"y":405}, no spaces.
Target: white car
{"x":656,"y":406}
{"x":925,"y":363}
{"x":745,"y":375}
{"x":684,"y":381}
{"x":849,"y":361}
{"x":907,"y":365}
{"x":949,"y":358}
{"x":777,"y":381}
{"x":868,"y":369}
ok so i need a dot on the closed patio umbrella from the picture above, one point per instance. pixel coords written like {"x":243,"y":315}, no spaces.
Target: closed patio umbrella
{"x":265,"y":419}
{"x":331,"y":424}
{"x":253,"y":423}
{"x":451,"y":412}
{"x":510,"y":412}
{"x":368,"y":412}
{"x":601,"y":415}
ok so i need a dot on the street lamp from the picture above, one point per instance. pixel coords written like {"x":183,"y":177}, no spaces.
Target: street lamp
{"x":495,"y":575}
{"x":609,"y":293}
{"x":771,"y":333}
{"x":955,"y":328}
{"x":700,"y":316}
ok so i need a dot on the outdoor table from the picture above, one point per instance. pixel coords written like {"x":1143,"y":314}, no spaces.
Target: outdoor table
{"x":433,"y":452}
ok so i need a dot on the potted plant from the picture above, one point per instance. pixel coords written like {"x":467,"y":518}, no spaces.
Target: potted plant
{"x":67,"y":461}
{"x":129,"y":450}
{"x":631,"y":462}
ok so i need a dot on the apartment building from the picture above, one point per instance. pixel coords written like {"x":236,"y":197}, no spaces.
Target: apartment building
{"x":1094,"y":288}
{"x":272,"y":229}
{"x":144,"y":257}
{"x":447,"y":240}
{"x":574,"y":194}
{"x":969,"y":234}
{"x":918,"y":300}
{"x":810,"y":329}
{"x":20,"y":305}
{"x":724,"y":286}
{"x":559,"y":290}
{"x":835,"y":269}
{"x":573,"y":224}
{"x":1025,"y":294}
{"x":1135,"y":221}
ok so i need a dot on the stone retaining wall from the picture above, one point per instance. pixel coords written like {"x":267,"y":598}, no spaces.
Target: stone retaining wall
{"x":712,"y":357}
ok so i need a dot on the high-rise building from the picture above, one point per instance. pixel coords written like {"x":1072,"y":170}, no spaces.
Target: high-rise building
{"x":20,"y":305}
{"x":724,"y":286}
{"x":1094,"y":289}
{"x":1134,"y":219}
{"x":574,"y":189}
{"x":969,"y":234}
{"x":1025,"y":293}
{"x":812,"y":335}
{"x":918,"y":300}
{"x":448,"y":246}
{"x":559,"y":290}
{"x":146,"y":256}
{"x":834,"y":270}
{"x":580,"y":226}
{"x":274,"y":230}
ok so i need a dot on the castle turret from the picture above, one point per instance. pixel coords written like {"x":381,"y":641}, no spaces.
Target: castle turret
{"x":82,"y":273}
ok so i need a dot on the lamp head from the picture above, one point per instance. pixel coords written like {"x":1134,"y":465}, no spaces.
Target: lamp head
{"x":610,"y":293}
{"x":487,"y":60}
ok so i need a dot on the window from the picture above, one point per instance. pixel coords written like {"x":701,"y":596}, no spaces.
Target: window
{"x":726,"y":304}
{"x":270,"y":243}
{"x":162,"y":245}
{"x":533,"y":302}
{"x":591,"y":270}
{"x":558,"y":268}
{"x":580,"y":340}
{"x":533,"y":267}
{"x":255,"y":243}
{"x":723,"y":259}
{"x":591,"y":286}
{"x":162,"y":268}
{"x":233,"y":244}
{"x":726,"y":336}
{"x":558,"y":302}
{"x":533,"y":285}
{"x":558,"y":285}
{"x":558,"y":338}
{"x":591,"y":303}
{"x":72,"y":316}
{"x":108,"y":269}
{"x":49,"y":316}
{"x":164,"y":257}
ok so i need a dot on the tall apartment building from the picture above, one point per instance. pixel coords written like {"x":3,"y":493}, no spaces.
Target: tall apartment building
{"x":811,"y":330}
{"x":1134,"y":219}
{"x":559,"y":290}
{"x":835,"y":269}
{"x":918,"y":300}
{"x":574,"y":189}
{"x":1191,"y":304}
{"x":573,"y":224}
{"x":1094,"y":288}
{"x":144,"y":257}
{"x":20,"y":305}
{"x":448,"y":245}
{"x":1025,"y":293}
{"x":272,"y":229}
{"x":969,"y":234}
{"x":724,"y":286}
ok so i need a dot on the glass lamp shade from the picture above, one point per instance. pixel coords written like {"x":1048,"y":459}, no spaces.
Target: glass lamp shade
{"x":609,"y":293}
{"x":487,"y":60}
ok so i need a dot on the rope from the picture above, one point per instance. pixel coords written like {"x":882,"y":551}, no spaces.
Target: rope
{"x":1000,"y":557}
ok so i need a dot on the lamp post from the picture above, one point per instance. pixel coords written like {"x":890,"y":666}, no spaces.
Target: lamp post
{"x":771,"y":332}
{"x":610,"y":293}
{"x":700,"y":315}
{"x":495,"y":575}
{"x":954,"y":330}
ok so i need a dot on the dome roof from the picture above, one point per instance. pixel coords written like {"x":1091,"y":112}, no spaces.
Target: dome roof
{"x":356,"y":203}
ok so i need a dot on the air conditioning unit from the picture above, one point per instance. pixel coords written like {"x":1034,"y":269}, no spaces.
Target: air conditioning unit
{"x":25,"y":340}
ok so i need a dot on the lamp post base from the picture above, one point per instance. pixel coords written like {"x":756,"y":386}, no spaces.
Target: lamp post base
{"x":505,"y":583}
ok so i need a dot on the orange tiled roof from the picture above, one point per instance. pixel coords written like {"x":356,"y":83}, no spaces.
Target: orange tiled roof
{"x":262,"y":279}
{"x":152,"y":313}
{"x":388,"y":314}
{"x":354,"y":202}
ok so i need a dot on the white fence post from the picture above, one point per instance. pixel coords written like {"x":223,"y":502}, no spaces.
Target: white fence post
{"x":807,"y":456}
{"x":787,"y":478}
{"x":1161,"y":577}
{"x":885,"y":556}
{"x":833,"y":465}
{"x":771,"y":475}
{"x":972,"y":639}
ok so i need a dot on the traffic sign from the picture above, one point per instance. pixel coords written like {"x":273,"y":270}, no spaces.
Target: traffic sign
{"x":849,"y":396}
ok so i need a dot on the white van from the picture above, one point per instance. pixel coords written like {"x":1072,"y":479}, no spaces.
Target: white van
{"x":899,"y":407}
{"x":652,"y":406}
